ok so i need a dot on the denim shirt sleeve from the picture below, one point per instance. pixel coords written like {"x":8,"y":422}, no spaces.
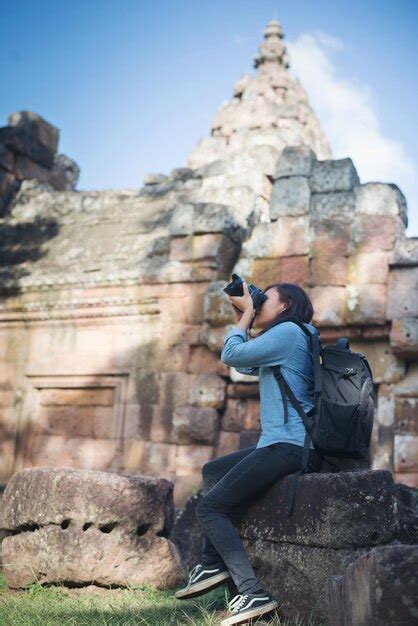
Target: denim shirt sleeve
{"x":273,"y":347}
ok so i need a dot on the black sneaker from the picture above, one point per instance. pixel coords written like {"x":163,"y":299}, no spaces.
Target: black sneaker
{"x":203,"y":578}
{"x":244,"y":607}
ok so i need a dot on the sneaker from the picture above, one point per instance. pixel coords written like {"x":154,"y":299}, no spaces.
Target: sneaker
{"x":244,"y":607}
{"x":203,"y":578}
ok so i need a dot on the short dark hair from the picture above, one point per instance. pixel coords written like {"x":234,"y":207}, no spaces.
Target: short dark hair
{"x":298,"y":302}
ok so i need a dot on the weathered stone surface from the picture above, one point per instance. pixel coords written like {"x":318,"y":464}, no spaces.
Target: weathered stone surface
{"x":368,"y":268}
{"x":333,"y":175}
{"x":195,"y":424}
{"x":8,"y":186}
{"x":329,"y":304}
{"x":114,"y":529}
{"x":402,"y":293}
{"x":155,"y":179}
{"x":376,"y":232}
{"x":336,"y":206}
{"x":20,"y":140}
{"x":295,"y":162}
{"x":342,"y":510}
{"x":297,"y":575}
{"x":207,"y":390}
{"x":405,"y":252}
{"x":7,"y":158}
{"x":286,"y":236}
{"x":37,"y":127}
{"x":290,"y":196}
{"x":217,"y":307}
{"x":381,"y":199}
{"x":64,"y":174}
{"x":404,"y":337}
{"x":366,"y":303}
{"x":379,"y":587}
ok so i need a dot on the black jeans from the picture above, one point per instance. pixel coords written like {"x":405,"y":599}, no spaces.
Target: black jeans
{"x":230,"y":481}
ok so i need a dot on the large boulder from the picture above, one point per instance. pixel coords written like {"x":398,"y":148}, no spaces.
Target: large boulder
{"x":84,"y":527}
{"x":337,"y":518}
{"x":380,"y":588}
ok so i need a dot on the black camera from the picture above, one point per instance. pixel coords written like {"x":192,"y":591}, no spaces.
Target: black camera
{"x":235,"y":288}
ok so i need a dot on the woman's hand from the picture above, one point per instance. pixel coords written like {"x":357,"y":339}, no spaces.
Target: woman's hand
{"x":243,"y":303}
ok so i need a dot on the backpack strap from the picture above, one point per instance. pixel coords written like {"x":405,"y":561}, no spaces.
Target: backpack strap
{"x":306,"y":418}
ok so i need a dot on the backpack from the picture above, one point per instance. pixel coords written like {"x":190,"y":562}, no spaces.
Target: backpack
{"x":341,"y":420}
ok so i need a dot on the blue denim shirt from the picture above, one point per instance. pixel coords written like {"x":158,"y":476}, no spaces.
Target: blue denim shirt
{"x":286,"y":345}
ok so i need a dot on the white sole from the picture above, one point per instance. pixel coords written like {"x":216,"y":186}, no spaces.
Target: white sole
{"x":204,"y":585}
{"x":239,"y":619}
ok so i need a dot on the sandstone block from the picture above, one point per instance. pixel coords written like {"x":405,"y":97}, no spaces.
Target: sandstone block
{"x":290,"y":196}
{"x":378,"y":587}
{"x":381,"y":199}
{"x":286,"y":236}
{"x":295,"y":161}
{"x":333,"y":175}
{"x":404,"y":337}
{"x":336,"y":206}
{"x":191,"y":458}
{"x":406,"y":415}
{"x":406,"y":453}
{"x":298,"y":575}
{"x":228,"y":442}
{"x":329,"y":305}
{"x":368,"y":268}
{"x":342,"y":510}
{"x":329,"y":270}
{"x":376,"y":232}
{"x":330,"y":237}
{"x":405,"y":252}
{"x":64,"y":174}
{"x":195,"y":424}
{"x":207,"y":390}
{"x":366,"y":304}
{"x":27,"y":168}
{"x":217,"y":307}
{"x":37,"y":127}
{"x":293,"y":269}
{"x":402,"y":293}
{"x":7,"y":159}
{"x":114,"y":529}
{"x":234,"y":416}
{"x":202,"y":361}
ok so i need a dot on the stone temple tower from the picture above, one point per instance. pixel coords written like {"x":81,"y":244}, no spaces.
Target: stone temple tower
{"x":270,"y":108}
{"x":112,"y":314}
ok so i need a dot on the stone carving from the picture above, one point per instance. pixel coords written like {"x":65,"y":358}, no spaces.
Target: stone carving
{"x":87,"y":527}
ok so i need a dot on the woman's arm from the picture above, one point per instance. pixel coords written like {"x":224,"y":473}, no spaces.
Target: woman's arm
{"x":273,"y":347}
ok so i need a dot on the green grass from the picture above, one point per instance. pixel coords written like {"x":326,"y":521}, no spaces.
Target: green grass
{"x":143,"y":605}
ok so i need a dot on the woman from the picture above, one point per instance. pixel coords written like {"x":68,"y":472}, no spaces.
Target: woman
{"x":235,"y":479}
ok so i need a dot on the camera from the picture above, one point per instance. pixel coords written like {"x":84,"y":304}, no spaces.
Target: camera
{"x":235,"y":288}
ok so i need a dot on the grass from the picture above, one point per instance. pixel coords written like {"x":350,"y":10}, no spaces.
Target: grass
{"x":52,"y":605}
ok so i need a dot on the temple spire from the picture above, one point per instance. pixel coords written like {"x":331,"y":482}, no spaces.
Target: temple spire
{"x":272,"y":50}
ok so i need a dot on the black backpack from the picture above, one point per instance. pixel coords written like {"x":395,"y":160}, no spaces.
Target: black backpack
{"x":341,"y":421}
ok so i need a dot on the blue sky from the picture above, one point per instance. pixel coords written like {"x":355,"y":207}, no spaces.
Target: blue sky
{"x":134,"y":84}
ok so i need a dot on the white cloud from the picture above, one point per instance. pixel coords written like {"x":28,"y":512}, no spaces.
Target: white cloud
{"x":345,"y":109}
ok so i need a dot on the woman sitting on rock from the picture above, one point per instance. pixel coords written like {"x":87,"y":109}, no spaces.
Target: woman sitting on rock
{"x":235,"y":479}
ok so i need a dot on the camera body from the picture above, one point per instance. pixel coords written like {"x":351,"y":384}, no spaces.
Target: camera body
{"x":235,"y":288}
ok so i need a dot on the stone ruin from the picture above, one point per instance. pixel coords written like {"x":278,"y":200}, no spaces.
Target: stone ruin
{"x":78,"y":527}
{"x":338,"y":521}
{"x":112,"y":314}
